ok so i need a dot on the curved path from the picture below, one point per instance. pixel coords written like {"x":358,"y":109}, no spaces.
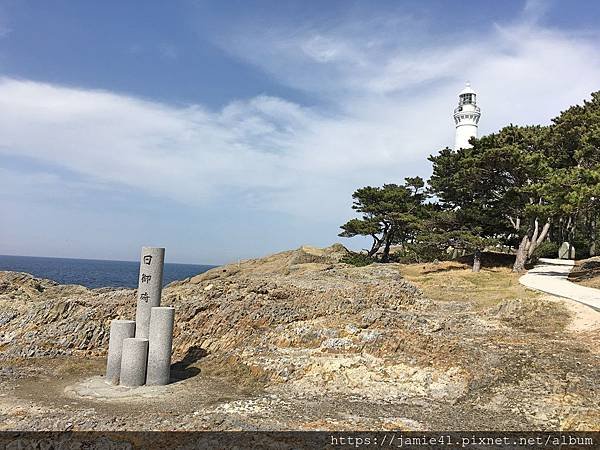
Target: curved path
{"x":551,"y":276}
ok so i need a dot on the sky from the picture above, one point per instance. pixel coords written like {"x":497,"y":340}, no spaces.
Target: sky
{"x":231,"y":130}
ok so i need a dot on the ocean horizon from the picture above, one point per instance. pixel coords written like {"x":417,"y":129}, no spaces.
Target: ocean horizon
{"x":94,"y":273}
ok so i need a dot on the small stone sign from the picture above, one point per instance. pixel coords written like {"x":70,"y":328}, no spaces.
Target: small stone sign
{"x":566,"y":251}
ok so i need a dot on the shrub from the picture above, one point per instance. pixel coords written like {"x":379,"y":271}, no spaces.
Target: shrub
{"x":421,"y":253}
{"x":582,"y":248}
{"x":546,"y":249}
{"x":357,"y":259}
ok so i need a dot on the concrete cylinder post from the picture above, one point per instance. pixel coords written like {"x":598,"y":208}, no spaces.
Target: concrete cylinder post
{"x":162,"y":319}
{"x":149,"y":287}
{"x":119,"y":331}
{"x":133,"y":362}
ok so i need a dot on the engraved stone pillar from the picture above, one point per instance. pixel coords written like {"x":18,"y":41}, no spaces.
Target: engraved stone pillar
{"x":133,"y":362}
{"x":149,"y":287}
{"x":119,"y":330}
{"x":162,"y":319}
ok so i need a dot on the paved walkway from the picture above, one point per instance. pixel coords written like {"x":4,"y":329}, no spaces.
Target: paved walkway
{"x":550,"y":276}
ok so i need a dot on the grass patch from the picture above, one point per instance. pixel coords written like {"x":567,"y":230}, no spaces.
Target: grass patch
{"x":453,"y":281}
{"x":534,"y":315}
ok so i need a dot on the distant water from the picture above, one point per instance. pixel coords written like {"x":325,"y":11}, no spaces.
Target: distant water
{"x":93,"y":273}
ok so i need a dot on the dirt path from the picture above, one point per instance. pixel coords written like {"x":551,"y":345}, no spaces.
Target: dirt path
{"x":584,"y":318}
{"x":551,"y":276}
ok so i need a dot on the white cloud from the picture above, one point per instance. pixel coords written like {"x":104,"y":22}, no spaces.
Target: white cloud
{"x":184,"y":153}
{"x":388,"y":106}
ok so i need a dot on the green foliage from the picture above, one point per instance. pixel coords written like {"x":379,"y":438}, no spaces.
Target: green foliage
{"x":494,"y":181}
{"x":420,"y":252}
{"x":357,"y":259}
{"x":576,"y":135}
{"x":582,"y":247}
{"x":390,"y":214}
{"x":546,"y":249}
{"x":516,"y":187}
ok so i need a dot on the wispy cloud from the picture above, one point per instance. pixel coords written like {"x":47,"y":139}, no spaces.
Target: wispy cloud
{"x":534,"y":10}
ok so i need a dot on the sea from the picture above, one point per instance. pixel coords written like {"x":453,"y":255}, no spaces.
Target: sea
{"x":94,"y":273}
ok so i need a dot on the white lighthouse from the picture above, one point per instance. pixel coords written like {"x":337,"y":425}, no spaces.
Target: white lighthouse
{"x":466,"y":117}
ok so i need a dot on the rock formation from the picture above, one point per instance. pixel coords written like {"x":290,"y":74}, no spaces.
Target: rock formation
{"x":300,"y":328}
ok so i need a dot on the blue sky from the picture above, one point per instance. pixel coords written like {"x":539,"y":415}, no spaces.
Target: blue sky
{"x":226,"y":130}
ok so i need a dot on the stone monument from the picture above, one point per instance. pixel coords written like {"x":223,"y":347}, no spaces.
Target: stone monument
{"x":139,"y":352}
{"x":566,"y":251}
{"x":149,"y":288}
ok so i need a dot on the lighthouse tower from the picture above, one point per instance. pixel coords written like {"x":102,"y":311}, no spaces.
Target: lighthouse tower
{"x":466,"y":117}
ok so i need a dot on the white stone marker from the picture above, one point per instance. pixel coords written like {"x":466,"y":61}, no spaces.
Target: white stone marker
{"x":149,"y":287}
{"x":162,"y":319}
{"x":119,"y":331}
{"x":566,"y":251}
{"x":133,"y":362}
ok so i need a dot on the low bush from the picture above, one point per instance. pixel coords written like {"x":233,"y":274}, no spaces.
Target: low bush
{"x":357,"y":259}
{"x":546,"y":249}
{"x":420,"y":253}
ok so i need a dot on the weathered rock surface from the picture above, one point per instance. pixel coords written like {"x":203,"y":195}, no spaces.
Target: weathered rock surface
{"x":298,"y":340}
{"x":225,"y":309}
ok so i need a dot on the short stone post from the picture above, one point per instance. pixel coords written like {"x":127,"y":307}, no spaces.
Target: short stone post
{"x":133,"y":362}
{"x":149,"y":287}
{"x":160,"y":345}
{"x":119,"y":331}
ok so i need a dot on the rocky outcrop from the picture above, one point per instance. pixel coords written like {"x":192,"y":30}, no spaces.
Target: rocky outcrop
{"x":252,"y":304}
{"x":288,"y":317}
{"x":41,"y":318}
{"x":300,"y":340}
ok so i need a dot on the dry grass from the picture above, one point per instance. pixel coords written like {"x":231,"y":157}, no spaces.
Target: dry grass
{"x":455,"y":281}
{"x":590,"y":282}
{"x":587,"y":272}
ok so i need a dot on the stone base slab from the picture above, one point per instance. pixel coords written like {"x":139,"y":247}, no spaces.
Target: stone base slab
{"x":98,"y":388}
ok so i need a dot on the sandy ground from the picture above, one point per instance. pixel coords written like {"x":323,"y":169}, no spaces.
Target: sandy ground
{"x":584,"y":318}
{"x":46,"y":400}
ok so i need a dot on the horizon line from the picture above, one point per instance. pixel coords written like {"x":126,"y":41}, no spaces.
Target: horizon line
{"x":100,"y":259}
